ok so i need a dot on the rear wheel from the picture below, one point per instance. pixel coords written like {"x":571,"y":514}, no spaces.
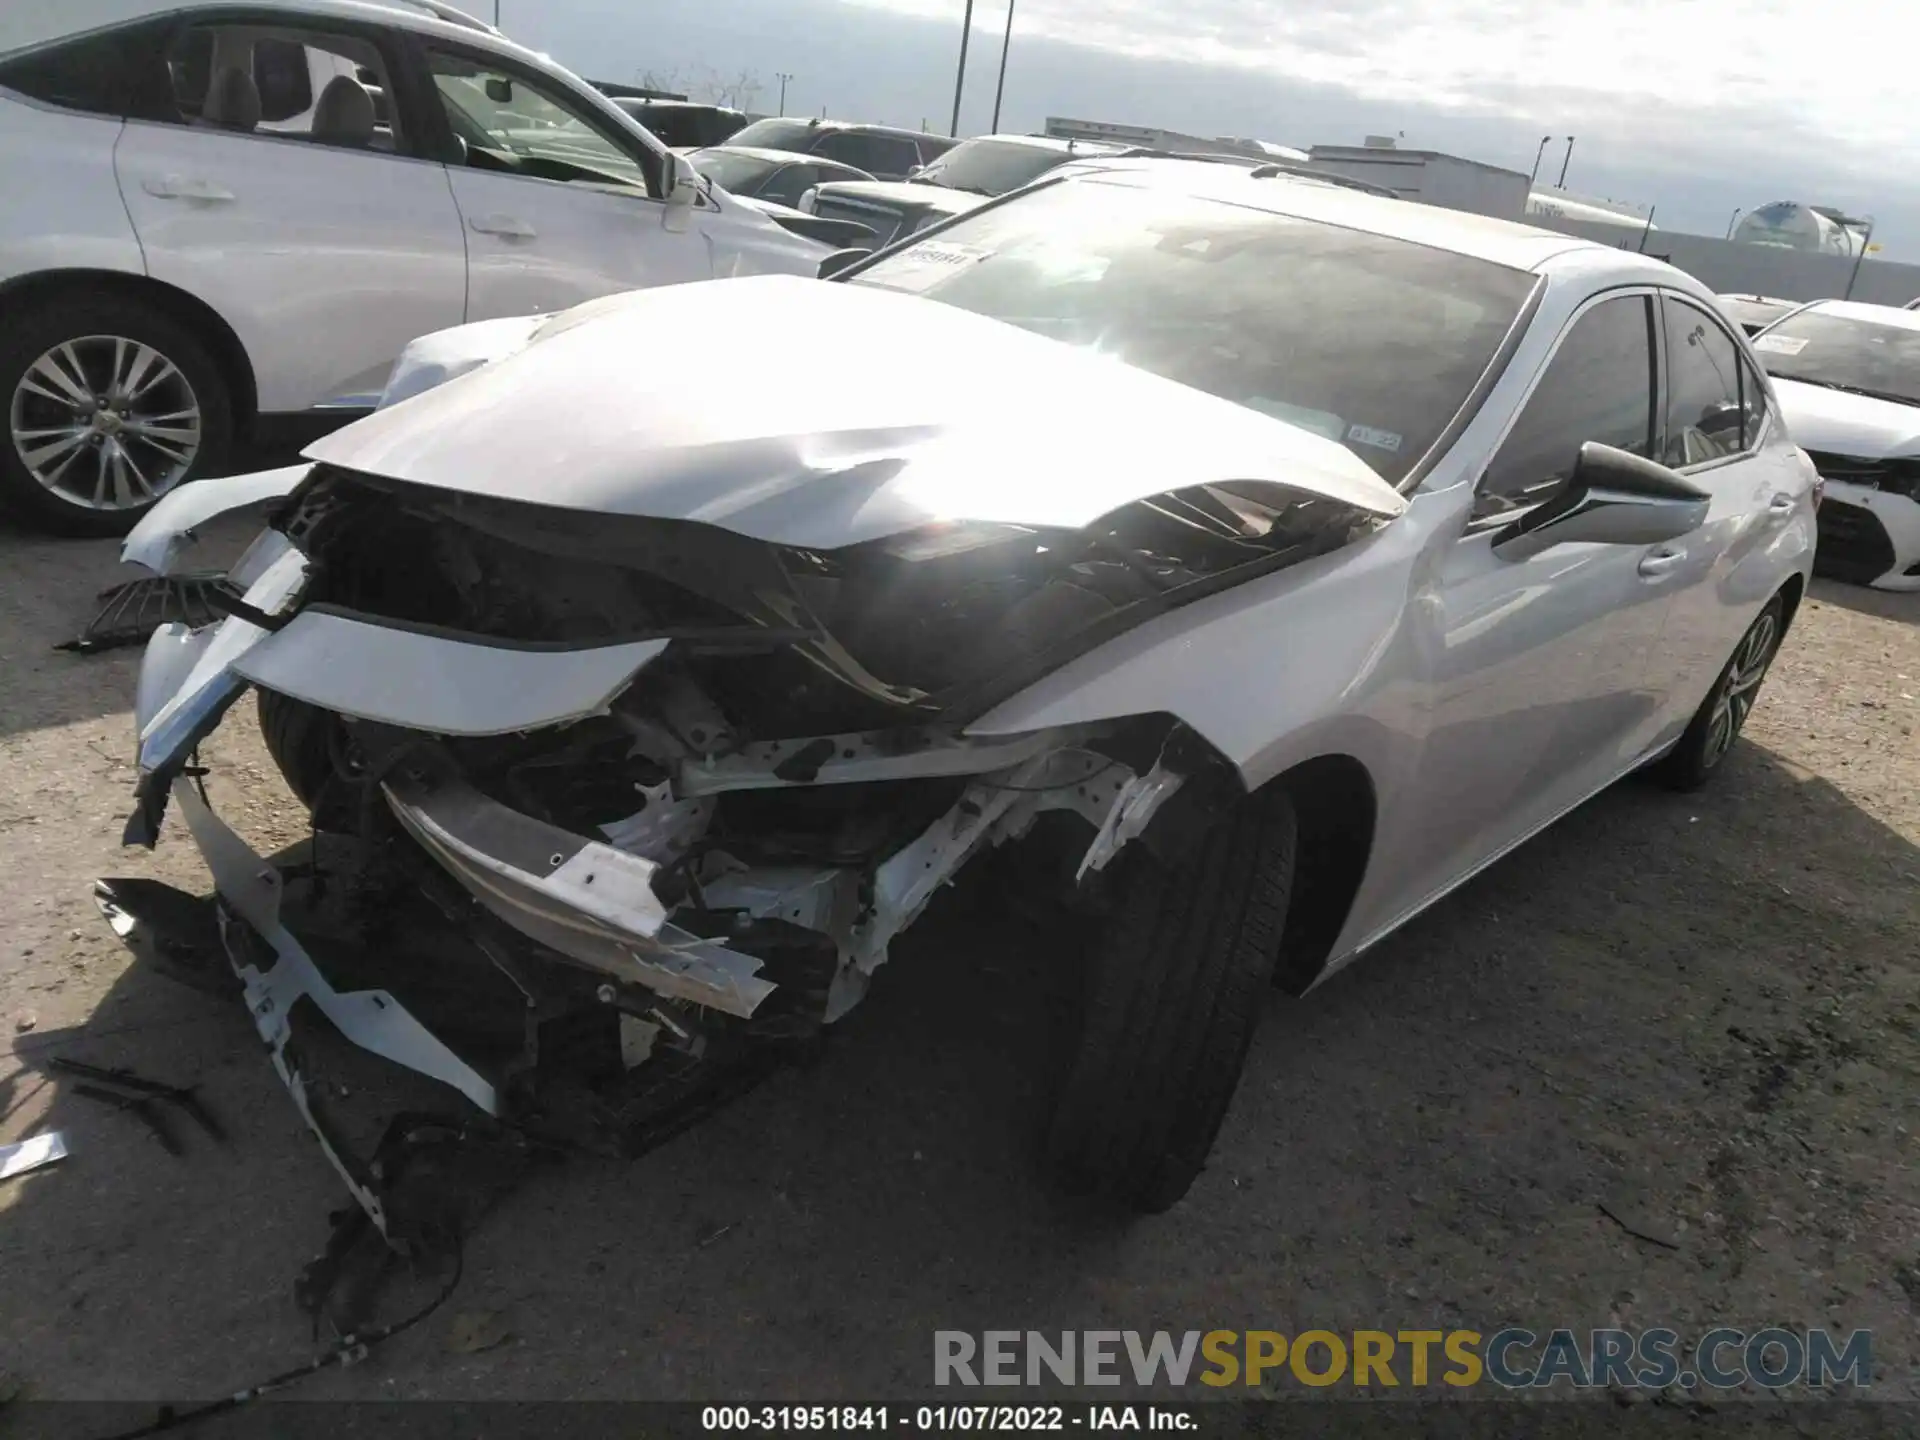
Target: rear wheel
{"x":1723,"y":714}
{"x":1174,"y":992}
{"x":109,"y":403}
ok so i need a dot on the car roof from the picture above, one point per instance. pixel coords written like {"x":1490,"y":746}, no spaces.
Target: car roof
{"x":1054,"y":143}
{"x":431,"y":17}
{"x":904,"y":193}
{"x":1894,"y":315}
{"x":1480,"y":237}
{"x":780,"y":157}
{"x":661,"y":102}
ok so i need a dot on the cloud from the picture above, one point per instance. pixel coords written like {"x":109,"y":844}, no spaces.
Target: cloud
{"x":1712,"y":75}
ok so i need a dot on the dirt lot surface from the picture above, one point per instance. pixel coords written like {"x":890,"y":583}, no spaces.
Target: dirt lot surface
{"x":1702,"y":1013}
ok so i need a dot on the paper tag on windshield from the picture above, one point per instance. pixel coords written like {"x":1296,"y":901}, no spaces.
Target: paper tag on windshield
{"x":924,"y":265}
{"x":1779,"y":345}
{"x":1378,"y":439}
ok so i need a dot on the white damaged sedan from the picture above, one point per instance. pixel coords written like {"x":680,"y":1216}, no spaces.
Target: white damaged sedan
{"x":1247,"y":560}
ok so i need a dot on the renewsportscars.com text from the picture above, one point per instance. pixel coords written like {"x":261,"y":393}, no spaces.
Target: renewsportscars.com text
{"x":1515,"y":1359}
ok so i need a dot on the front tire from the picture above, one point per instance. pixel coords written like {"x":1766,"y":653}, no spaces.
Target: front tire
{"x":1717,"y":724}
{"x":109,"y":403}
{"x":1174,"y":993}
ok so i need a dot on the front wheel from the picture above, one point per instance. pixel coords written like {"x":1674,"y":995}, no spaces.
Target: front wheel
{"x":110,"y":402}
{"x":1175,"y":989}
{"x":1723,"y":714}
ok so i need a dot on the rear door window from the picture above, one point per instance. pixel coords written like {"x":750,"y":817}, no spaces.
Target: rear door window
{"x":1705,"y":418}
{"x":288,"y":84}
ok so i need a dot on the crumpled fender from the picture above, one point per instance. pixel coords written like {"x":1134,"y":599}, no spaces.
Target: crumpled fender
{"x":171,"y":525}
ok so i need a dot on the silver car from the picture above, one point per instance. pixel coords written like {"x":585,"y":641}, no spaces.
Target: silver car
{"x":1246,"y":562}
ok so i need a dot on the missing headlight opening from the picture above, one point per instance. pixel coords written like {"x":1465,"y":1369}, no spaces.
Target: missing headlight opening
{"x":617,"y":812}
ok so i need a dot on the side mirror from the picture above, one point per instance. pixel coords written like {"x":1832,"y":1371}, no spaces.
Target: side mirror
{"x":841,"y":260}
{"x":498,"y":90}
{"x":683,"y":187}
{"x":913,"y":170}
{"x":1612,"y":498}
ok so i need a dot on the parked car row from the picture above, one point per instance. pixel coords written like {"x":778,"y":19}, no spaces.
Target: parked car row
{"x":1247,"y":560}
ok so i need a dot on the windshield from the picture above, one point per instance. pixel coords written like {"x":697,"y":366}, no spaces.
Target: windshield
{"x":1835,"y":350}
{"x":776,"y":134}
{"x":1372,"y":342}
{"x":731,"y":170}
{"x":992,"y":167}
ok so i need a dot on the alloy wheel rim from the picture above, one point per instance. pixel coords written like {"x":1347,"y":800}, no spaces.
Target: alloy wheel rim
{"x":105,"y":422}
{"x":1739,"y":686}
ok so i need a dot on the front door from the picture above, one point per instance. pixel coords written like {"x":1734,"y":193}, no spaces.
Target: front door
{"x":286,"y":196}
{"x":1534,"y":667}
{"x":560,"y":205}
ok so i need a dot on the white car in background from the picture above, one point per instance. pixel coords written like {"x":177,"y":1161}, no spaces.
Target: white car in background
{"x":1848,"y":378}
{"x":240,"y":216}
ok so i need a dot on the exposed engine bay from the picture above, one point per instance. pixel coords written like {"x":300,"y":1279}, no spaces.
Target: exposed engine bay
{"x":672,"y":791}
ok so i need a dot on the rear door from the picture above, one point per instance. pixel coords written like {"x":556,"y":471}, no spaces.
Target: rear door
{"x":1721,"y":433}
{"x":313,"y":225}
{"x":560,"y":202}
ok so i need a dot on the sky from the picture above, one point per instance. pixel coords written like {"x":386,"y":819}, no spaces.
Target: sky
{"x":1695,"y":107}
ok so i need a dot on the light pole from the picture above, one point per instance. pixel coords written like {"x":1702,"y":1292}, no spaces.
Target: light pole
{"x":1565,"y":161}
{"x":783,"y":78}
{"x":1858,"y":259}
{"x":1000,"y":88}
{"x":1730,"y":223}
{"x":1536,"y":158}
{"x":960,"y":75}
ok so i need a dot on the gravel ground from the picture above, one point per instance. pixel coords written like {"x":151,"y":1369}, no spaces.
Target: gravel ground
{"x":1700,"y":1012}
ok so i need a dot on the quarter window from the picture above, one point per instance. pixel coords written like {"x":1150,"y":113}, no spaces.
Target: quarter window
{"x":1705,"y":419}
{"x":116,"y":72}
{"x":1598,"y":386}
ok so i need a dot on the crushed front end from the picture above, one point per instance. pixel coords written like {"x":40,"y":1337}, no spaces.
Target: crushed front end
{"x":651,"y":799}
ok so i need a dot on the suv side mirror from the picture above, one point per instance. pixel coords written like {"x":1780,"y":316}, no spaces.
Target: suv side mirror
{"x":683,"y":188}
{"x":1612,"y":498}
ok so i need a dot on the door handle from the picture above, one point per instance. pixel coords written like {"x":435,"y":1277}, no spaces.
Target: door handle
{"x":1659,"y":562}
{"x":1780,"y":509}
{"x":176,"y":187}
{"x":510,"y":226}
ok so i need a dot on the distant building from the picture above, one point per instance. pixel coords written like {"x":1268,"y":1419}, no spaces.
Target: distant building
{"x":1429,"y":177}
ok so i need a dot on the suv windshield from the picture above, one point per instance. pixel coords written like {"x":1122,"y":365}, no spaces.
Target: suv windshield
{"x":1844,"y":354}
{"x":731,"y":170}
{"x":776,"y":135}
{"x":1370,"y":341}
{"x":993,"y":167}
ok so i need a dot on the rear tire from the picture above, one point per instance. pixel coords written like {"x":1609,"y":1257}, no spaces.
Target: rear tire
{"x":1174,"y":993}
{"x":1717,"y":724}
{"x":87,"y":377}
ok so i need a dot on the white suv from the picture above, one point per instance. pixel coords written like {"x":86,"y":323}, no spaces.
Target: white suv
{"x":223,"y":222}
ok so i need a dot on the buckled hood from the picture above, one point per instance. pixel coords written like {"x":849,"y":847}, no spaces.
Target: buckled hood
{"x":822,"y":414}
